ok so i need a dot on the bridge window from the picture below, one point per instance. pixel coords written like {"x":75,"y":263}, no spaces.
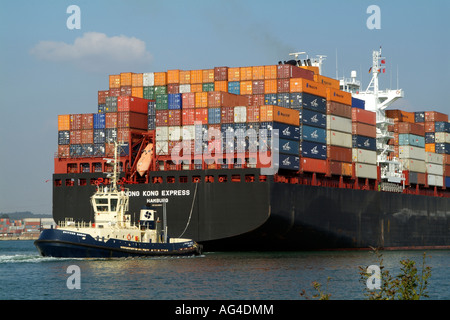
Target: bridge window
{"x":183,"y":179}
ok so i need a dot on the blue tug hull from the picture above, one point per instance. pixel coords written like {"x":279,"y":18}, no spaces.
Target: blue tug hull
{"x":71,"y":244}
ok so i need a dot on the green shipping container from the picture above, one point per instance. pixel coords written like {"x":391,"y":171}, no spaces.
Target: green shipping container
{"x":162,"y":102}
{"x":207,"y":87}
{"x":149,"y":93}
{"x":160,"y":89}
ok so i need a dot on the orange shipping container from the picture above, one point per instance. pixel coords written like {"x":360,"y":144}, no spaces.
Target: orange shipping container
{"x":160,"y":78}
{"x":196,"y":76}
{"x":137,"y":80}
{"x":303,"y":85}
{"x":185,"y":77}
{"x":221,"y":86}
{"x":328,"y":82}
{"x":270,"y":86}
{"x":208,"y":75}
{"x":279,"y":114}
{"x":270,"y":72}
{"x":337,"y":95}
{"x":125,"y":79}
{"x":311,"y":68}
{"x":246,"y":73}
{"x":173,"y":76}
{"x":198,"y":87}
{"x":430,"y":147}
{"x":400,"y":115}
{"x":114,"y":81}
{"x":137,"y":92}
{"x":201,"y":99}
{"x":246,"y":87}
{"x":64,"y":122}
{"x":313,"y":165}
{"x":234,"y":74}
{"x":347,"y":169}
{"x":258,"y":73}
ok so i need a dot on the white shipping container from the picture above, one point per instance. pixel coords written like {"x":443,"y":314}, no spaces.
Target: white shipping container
{"x":148,"y":79}
{"x":363,"y":170}
{"x":364,"y":156}
{"x":339,"y":124}
{"x":340,"y":139}
{"x":437,"y":169}
{"x":442,"y":137}
{"x":175,"y":133}
{"x":431,"y":157}
{"x":410,"y":152}
{"x":414,"y":165}
{"x":162,"y":133}
{"x":162,"y":148}
{"x":240,"y":114}
{"x":435,"y":180}
{"x":188,"y":132}
{"x":185,"y":88}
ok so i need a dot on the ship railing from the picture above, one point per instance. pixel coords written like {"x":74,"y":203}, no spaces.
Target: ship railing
{"x":69,"y":223}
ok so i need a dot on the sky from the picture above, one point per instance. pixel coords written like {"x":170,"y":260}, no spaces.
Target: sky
{"x":47,"y":69}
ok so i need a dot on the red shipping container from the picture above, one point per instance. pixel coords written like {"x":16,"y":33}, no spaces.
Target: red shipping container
{"x":132,"y":120}
{"x":87,"y":121}
{"x":63,"y":151}
{"x":257,"y":100}
{"x":446,"y":160}
{"x":87,"y":136}
{"x":126,"y":91}
{"x":133,"y":104}
{"x":162,"y":118}
{"x":413,"y":128}
{"x":258,"y":87}
{"x":188,"y":100}
{"x":283,"y":85}
{"x":288,"y":71}
{"x":335,"y":168}
{"x":227,"y":114}
{"x":435,"y":116}
{"x":364,"y":129}
{"x":429,"y":127}
{"x":187,"y":117}
{"x":174,"y":118}
{"x":313,"y":165}
{"x":248,"y":100}
{"x":201,"y":115}
{"x":363,"y":116}
{"x":114,"y":92}
{"x":111,"y":120}
{"x":253,"y":113}
{"x":173,"y":88}
{"x":220,"y":73}
{"x":224,"y":99}
{"x":102,"y":96}
{"x":75,"y":136}
{"x":339,"y":109}
{"x":340,"y":154}
{"x":75,"y":121}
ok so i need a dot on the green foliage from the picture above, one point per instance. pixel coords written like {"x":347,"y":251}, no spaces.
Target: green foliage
{"x":320,"y":294}
{"x":408,"y":285}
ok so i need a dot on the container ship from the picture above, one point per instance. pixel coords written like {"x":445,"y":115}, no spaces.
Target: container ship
{"x":273,"y":157}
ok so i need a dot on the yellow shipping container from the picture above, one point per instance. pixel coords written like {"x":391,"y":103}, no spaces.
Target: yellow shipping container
{"x":185,"y":77}
{"x":208,"y":75}
{"x":270,"y":72}
{"x":137,"y":92}
{"x":64,"y":122}
{"x":234,"y":74}
{"x":160,"y":78}
{"x":125,"y":79}
{"x":114,"y":81}
{"x":246,"y":73}
{"x":196,"y":76}
{"x":173,"y":76}
{"x":137,"y":79}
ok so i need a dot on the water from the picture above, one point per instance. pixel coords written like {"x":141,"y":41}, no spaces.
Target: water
{"x":212,"y":276}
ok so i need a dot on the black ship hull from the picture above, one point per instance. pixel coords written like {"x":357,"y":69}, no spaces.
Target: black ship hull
{"x":234,"y":210}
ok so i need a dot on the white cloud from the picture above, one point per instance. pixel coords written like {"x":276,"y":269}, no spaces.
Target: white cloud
{"x":95,"y":51}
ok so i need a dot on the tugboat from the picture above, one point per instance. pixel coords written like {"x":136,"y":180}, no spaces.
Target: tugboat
{"x":112,"y":234}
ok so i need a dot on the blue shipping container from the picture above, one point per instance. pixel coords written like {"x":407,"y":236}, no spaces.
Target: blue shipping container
{"x":63,"y":137}
{"x":214,"y":115}
{"x":288,"y":162}
{"x":99,"y":120}
{"x":270,"y":99}
{"x":313,"y":118}
{"x":101,"y":108}
{"x":285,"y":131}
{"x":358,"y":103}
{"x":87,"y":150}
{"x":99,"y":136}
{"x":429,"y":137}
{"x":288,"y":147}
{"x":440,"y":126}
{"x":405,"y":139}
{"x":314,"y":103}
{"x":283,"y":100}
{"x":363,"y":142}
{"x":447,"y":182}
{"x":314,"y":134}
{"x":234,"y":87}
{"x":443,"y":148}
{"x":151,"y":108}
{"x":314,"y":150}
{"x":419,"y":117}
{"x":174,"y":101}
{"x":99,"y":150}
